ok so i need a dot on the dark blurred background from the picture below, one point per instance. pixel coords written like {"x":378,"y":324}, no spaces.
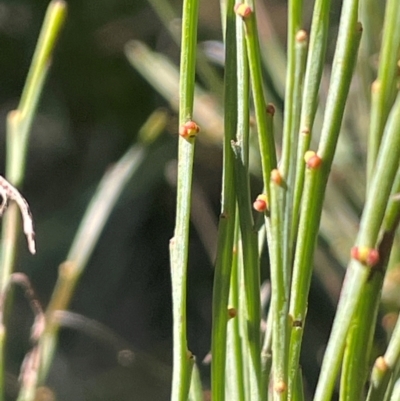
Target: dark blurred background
{"x":92,"y":107}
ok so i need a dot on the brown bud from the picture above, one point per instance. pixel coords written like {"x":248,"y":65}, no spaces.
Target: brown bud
{"x":276,"y":176}
{"x":312,"y":159}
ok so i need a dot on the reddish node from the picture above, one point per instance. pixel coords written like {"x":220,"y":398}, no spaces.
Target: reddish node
{"x":242,"y":10}
{"x":365,"y":255}
{"x":189,"y":130}
{"x":261,"y":203}
{"x":312,"y":159}
{"x":372,"y":257}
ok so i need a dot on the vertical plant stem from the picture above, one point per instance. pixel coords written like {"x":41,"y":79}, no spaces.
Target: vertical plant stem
{"x":318,"y":172}
{"x":279,"y":298}
{"x":226,"y":227}
{"x":295,"y":10}
{"x":384,"y":367}
{"x":288,"y":170}
{"x":359,"y":340}
{"x":384,"y":88}
{"x":312,"y":79}
{"x":265,"y":135}
{"x":19,"y":123}
{"x":196,"y":389}
{"x":251,"y":273}
{"x":357,"y":272}
{"x":235,"y":359}
{"x":182,"y":358}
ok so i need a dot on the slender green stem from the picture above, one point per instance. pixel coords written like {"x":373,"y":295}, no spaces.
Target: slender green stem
{"x":293,"y":81}
{"x":19,"y":123}
{"x":384,"y":88}
{"x":312,"y":79}
{"x":396,"y":392}
{"x":235,"y":359}
{"x":360,"y":340}
{"x":384,"y":367}
{"x":317,"y":175}
{"x":266,"y":140}
{"x":298,"y":390}
{"x":251,"y":273}
{"x":266,"y":355}
{"x":182,"y":358}
{"x":357,"y":273}
{"x":279,"y":299}
{"x":196,"y":389}
{"x":17,"y":140}
{"x":226,"y":227}
{"x":282,"y":199}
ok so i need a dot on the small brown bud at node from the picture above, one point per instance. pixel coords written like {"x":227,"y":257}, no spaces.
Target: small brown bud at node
{"x":261,"y":203}
{"x":381,"y":364}
{"x":232,"y":312}
{"x":301,"y":36}
{"x":189,"y":355}
{"x":359,"y":26}
{"x":305,"y":131}
{"x":280,"y":386}
{"x":270,"y":109}
{"x":242,"y":10}
{"x":276,"y":176}
{"x":189,"y":130}
{"x":312,"y":159}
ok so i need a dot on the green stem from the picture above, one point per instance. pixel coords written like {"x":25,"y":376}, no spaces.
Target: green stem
{"x":279,"y":299}
{"x":226,"y":226}
{"x":266,"y":140}
{"x":182,"y":358}
{"x":235,"y":357}
{"x":384,"y":88}
{"x":17,"y":140}
{"x":19,"y":123}
{"x":357,"y":273}
{"x":312,"y":79}
{"x":384,"y":367}
{"x":317,"y":176}
{"x":251,"y":273}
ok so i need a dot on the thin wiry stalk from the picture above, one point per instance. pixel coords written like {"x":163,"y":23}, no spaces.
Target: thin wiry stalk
{"x":317,"y":173}
{"x":182,"y":358}
{"x":226,"y":228}
{"x":384,"y":88}
{"x":358,"y":272}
